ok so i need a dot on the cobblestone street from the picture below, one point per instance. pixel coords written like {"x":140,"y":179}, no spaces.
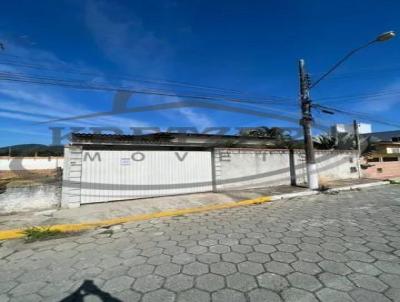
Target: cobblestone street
{"x":343,"y":247}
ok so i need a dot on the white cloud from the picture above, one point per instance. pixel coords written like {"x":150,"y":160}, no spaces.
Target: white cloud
{"x":200,"y":121}
{"x":127,"y":43}
{"x":34,"y":106}
{"x":134,"y":47}
{"x":37,"y":103}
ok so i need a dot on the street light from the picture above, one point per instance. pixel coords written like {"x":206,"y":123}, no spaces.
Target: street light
{"x":305,"y":101}
{"x":381,"y":38}
{"x":386,"y":36}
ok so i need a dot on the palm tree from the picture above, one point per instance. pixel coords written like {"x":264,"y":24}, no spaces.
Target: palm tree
{"x":281,"y":137}
{"x":325,"y":142}
{"x":343,"y":141}
{"x":262,"y":131}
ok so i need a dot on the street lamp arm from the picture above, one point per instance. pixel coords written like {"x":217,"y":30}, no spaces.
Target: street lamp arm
{"x":340,"y":62}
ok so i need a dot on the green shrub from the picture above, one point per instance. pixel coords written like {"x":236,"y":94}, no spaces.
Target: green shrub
{"x":40,"y":233}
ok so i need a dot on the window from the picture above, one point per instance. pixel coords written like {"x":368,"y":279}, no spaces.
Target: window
{"x":396,"y":139}
{"x":390,"y":159}
{"x":373,"y":160}
{"x":391,"y":150}
{"x":353,"y":169}
{"x":379,"y":170}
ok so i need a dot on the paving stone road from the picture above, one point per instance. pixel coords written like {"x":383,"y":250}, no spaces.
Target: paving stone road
{"x":343,"y":247}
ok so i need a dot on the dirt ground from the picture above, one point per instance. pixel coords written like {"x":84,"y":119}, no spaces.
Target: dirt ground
{"x":28,"y":178}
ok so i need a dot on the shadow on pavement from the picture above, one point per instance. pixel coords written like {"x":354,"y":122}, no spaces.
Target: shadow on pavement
{"x":88,"y":288}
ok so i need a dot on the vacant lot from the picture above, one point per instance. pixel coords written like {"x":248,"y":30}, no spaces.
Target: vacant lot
{"x":31,"y":177}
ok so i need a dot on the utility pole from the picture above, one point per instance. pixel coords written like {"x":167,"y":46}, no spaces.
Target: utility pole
{"x":305,"y":100}
{"x":306,"y":121}
{"x":357,"y":140}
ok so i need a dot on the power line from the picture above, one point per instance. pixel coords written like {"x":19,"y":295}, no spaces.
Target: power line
{"x":361,"y":115}
{"x":372,"y":99}
{"x":78,"y":84}
{"x":371,"y":94}
{"x":86,"y":72}
{"x":152,"y":82}
{"x":365,"y":96}
{"x":18,"y":77}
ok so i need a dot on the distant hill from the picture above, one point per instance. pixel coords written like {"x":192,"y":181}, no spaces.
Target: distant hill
{"x":32,"y":150}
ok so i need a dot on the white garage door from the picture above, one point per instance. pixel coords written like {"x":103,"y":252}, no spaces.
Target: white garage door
{"x":116,"y":175}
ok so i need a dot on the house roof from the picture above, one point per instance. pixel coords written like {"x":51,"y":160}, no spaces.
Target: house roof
{"x":381,"y":136}
{"x":168,"y":139}
{"x":385,"y":143}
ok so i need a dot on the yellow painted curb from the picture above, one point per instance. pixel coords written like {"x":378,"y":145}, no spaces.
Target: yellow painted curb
{"x":19,"y":233}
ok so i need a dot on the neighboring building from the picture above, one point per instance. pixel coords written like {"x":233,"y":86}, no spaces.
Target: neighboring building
{"x":349,"y":129}
{"x":344,"y":135}
{"x":369,"y":141}
{"x":101,"y":168}
{"x":384,"y":136}
{"x":382,"y":156}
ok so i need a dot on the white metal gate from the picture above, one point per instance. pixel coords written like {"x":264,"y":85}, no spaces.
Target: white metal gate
{"x":115,"y":175}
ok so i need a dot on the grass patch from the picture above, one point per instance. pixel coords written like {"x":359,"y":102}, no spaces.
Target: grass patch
{"x":107,"y":232}
{"x":41,"y":233}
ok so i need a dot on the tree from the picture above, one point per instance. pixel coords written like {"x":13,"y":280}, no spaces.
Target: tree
{"x":281,"y":136}
{"x":325,"y":142}
{"x":262,"y":131}
{"x":343,"y":141}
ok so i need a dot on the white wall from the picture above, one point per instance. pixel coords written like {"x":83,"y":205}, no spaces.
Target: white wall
{"x":30,"y":163}
{"x":29,"y":198}
{"x":114,"y":175}
{"x":234,"y":168}
{"x":246,"y":168}
{"x":331,"y":165}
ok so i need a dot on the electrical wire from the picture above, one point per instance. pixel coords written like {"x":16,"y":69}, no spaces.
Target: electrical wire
{"x":152,"y":82}
{"x":34,"y":79}
{"x":355,"y":98}
{"x":124,"y":77}
{"x":375,"y":94}
{"x":361,"y":115}
{"x":37,"y":79}
{"x":86,"y":72}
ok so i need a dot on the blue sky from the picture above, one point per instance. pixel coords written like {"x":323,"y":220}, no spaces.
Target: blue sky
{"x":252,"y":47}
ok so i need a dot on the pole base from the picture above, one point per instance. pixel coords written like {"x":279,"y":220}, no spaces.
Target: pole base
{"x":312,"y":176}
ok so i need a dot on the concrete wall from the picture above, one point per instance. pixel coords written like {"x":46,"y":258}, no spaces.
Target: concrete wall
{"x":235,"y":168}
{"x":331,"y":165}
{"x":35,"y":197}
{"x":30,"y":163}
{"x":246,"y":168}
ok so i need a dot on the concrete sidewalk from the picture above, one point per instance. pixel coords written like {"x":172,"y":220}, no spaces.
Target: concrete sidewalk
{"x":118,"y":209}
